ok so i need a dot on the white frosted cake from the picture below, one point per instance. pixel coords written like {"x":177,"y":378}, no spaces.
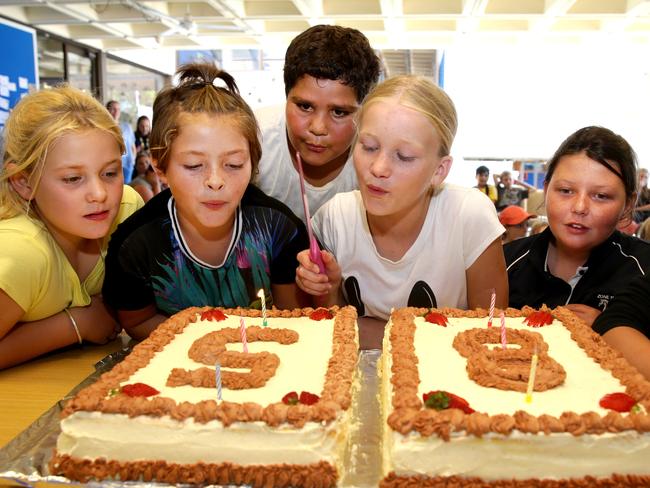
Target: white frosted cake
{"x":479,"y":427}
{"x":175,"y":430}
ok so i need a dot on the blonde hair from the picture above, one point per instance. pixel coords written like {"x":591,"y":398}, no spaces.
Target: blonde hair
{"x":421,"y":95}
{"x":38,"y":121}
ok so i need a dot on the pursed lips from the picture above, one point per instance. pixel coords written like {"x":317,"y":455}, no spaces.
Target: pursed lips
{"x":99,"y":215}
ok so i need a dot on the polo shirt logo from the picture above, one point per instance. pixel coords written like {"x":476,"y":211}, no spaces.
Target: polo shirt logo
{"x":603,"y":300}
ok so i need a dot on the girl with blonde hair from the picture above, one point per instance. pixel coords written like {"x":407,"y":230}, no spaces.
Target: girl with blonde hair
{"x":406,"y":237}
{"x":61,"y":196}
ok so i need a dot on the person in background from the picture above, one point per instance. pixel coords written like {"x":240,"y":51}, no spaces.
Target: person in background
{"x":328,"y":71}
{"x":581,"y":260}
{"x":538,"y":226}
{"x":509,"y":194}
{"x":61,"y":197}
{"x":642,"y":208}
{"x":644,"y":230}
{"x":128,"y":157}
{"x":482,"y":176}
{"x":141,"y":134}
{"x":516,"y":221}
{"x":406,"y":238}
{"x":625,"y":326}
{"x":146,"y":181}
{"x":212,"y":238}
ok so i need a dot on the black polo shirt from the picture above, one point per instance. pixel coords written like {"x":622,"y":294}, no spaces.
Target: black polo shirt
{"x":631,"y":308}
{"x":611,"y":266}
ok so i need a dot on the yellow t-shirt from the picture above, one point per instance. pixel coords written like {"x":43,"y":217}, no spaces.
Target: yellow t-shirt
{"x":35,"y":272}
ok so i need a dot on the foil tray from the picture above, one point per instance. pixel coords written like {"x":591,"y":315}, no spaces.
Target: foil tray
{"x":23,"y":462}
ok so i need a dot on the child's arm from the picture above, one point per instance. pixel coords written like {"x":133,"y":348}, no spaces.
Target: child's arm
{"x":22,"y":341}
{"x":140,"y":323}
{"x":633,"y":345}
{"x":326,"y":289}
{"x":288,"y":297}
{"x":486,"y":273}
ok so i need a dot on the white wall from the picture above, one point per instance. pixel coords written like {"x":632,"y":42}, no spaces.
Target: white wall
{"x":523,"y":101}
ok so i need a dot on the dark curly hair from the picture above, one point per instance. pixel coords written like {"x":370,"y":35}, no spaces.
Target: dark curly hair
{"x":197,"y":93}
{"x":335,"y":53}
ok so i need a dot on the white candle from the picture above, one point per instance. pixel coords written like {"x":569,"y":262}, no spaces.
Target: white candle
{"x":531,"y":377}
{"x":263,"y":298}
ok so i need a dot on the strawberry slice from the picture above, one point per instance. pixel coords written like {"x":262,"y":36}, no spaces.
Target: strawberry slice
{"x":320,"y":314}
{"x":291,"y":398}
{"x":436,"y":318}
{"x":213,"y":314}
{"x":539,"y":319}
{"x":307,"y":398}
{"x":619,"y":402}
{"x":139,"y":390}
{"x":441,"y":400}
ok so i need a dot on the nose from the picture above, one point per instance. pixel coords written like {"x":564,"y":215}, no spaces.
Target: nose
{"x":318,"y":124}
{"x":214,"y":179}
{"x":97,"y":190}
{"x":379,"y":166}
{"x":581,"y":204}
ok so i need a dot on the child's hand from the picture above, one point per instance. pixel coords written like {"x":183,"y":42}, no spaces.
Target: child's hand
{"x":96,"y":324}
{"x":311,"y":281}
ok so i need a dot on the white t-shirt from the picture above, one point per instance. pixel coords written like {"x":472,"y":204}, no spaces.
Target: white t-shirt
{"x":460,"y":224}
{"x":277,"y":176}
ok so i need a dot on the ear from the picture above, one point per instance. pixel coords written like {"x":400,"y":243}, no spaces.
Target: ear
{"x":20,"y":182}
{"x":159,"y":173}
{"x":441,"y":171}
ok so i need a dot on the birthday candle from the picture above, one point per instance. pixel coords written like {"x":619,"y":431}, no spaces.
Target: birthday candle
{"x":242,"y":330}
{"x":503,"y":331}
{"x":263,"y":298}
{"x":492,"y":302}
{"x":217,"y":372}
{"x":531,"y":377}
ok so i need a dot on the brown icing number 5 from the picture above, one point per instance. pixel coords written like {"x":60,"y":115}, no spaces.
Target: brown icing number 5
{"x":212,"y":348}
{"x":508,"y":369}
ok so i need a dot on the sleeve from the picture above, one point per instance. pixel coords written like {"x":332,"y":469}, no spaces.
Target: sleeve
{"x":323,"y":225}
{"x":630,"y":308}
{"x":290,"y":237}
{"x":126,"y":287}
{"x":481,"y":225}
{"x":23,"y":269}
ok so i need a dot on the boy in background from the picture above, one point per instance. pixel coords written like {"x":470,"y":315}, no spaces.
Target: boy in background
{"x":328,"y":71}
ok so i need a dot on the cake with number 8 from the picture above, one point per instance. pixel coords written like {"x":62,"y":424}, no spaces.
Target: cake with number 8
{"x":215,"y":397}
{"x":538,"y":400}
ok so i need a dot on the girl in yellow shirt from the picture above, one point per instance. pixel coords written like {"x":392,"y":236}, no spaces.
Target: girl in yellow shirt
{"x":61,"y":196}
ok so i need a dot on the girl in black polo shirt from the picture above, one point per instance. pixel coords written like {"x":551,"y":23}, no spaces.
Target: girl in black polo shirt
{"x":581,"y":260}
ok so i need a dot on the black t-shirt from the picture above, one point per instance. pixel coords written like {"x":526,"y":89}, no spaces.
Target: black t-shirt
{"x":611,"y":266}
{"x":148,"y":261}
{"x":631,"y":308}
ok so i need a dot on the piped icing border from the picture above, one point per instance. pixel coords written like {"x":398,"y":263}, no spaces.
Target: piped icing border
{"x":408,"y":414}
{"x":614,"y":481}
{"x":276,"y":475}
{"x":335,"y":396}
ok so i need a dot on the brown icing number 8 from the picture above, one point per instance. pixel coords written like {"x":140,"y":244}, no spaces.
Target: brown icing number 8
{"x":508,"y":369}
{"x":212,"y":347}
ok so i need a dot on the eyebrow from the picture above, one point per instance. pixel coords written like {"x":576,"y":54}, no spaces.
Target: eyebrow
{"x":349,"y":108}
{"x":201,"y":153}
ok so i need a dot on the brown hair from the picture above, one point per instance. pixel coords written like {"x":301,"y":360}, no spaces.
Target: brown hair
{"x":34,"y":124}
{"x":197,"y":93}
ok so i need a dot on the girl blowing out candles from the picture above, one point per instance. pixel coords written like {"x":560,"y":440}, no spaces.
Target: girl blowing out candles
{"x":406,"y":237}
{"x":211,"y":238}
{"x":61,"y":197}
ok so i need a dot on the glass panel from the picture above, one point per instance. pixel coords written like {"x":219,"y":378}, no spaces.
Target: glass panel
{"x":51,"y":68}
{"x":133,"y":87}
{"x":80,"y":71}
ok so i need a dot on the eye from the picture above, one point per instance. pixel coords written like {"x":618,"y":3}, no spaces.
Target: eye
{"x":111,"y":173}
{"x":406,"y":159}
{"x":234,"y":165}
{"x":602,"y":196}
{"x":339,"y":113}
{"x":368,"y":147}
{"x":304,"y":106}
{"x":564,"y":190}
{"x":71,"y":179}
{"x":192,"y":167}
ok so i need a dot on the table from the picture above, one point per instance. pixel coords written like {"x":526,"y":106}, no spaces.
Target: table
{"x":30,"y":389}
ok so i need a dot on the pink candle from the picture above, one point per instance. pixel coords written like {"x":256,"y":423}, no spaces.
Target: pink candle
{"x":242,"y":330}
{"x":503,"y":330}
{"x":492,"y":302}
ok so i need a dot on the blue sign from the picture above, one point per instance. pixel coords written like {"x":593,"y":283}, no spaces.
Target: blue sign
{"x":18,"y":69}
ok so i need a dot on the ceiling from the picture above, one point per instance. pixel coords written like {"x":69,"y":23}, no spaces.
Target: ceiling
{"x":389,"y":24}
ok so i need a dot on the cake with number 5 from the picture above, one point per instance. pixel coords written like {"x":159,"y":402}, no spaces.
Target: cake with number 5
{"x":215,"y":396}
